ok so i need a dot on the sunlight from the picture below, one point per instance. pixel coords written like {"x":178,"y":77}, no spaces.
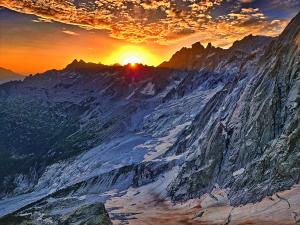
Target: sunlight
{"x":132,"y":55}
{"x":132,"y":60}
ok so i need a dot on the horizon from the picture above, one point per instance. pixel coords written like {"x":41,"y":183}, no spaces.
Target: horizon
{"x":128,"y":63}
{"x":150,"y":32}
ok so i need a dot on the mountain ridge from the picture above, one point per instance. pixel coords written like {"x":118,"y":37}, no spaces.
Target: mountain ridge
{"x":187,"y":58}
{"x":7,"y":75}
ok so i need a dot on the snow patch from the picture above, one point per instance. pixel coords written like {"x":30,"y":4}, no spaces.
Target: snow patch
{"x":149,"y":89}
{"x":163,"y":144}
{"x":238,"y":172}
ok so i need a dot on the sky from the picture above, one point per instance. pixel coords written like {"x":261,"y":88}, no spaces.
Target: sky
{"x":38,"y":35}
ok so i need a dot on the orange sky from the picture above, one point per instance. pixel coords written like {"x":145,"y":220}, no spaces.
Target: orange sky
{"x":31,"y":50}
{"x":55,"y":49}
{"x":35,"y":40}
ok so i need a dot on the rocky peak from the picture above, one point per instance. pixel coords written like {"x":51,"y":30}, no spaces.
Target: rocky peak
{"x":197,"y":57}
{"x":186,"y":57}
{"x":251,"y":43}
{"x":197,"y":47}
{"x":75,"y":64}
{"x":81,"y":64}
{"x":209,"y":46}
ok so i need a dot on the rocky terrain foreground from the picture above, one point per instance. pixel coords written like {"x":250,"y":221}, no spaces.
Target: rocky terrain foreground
{"x":210,"y":137}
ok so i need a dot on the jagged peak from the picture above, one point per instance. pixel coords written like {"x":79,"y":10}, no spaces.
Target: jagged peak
{"x":76,"y":62}
{"x":251,"y":36}
{"x":81,"y":64}
{"x":250,"y":43}
{"x":197,"y":46}
{"x":209,"y":46}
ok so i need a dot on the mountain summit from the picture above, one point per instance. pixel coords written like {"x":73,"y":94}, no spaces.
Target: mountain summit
{"x":197,"y":56}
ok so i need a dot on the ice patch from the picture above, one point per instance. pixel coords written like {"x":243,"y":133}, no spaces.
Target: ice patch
{"x":163,"y":144}
{"x":238,"y":172}
{"x":131,"y":94}
{"x":149,"y":89}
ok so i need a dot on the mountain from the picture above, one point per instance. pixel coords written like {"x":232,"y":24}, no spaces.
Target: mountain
{"x":197,"y":57}
{"x":8,"y":75}
{"x":75,"y":65}
{"x":258,"y":136}
{"x":209,"y":137}
{"x":251,"y":43}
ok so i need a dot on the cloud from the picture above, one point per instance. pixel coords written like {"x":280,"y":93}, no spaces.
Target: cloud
{"x":42,"y":20}
{"x":246,"y":1}
{"x":161,"y":21}
{"x":70,"y":32}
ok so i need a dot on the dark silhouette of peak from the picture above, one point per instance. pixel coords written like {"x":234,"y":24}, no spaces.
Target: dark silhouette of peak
{"x":197,"y":56}
{"x":197,"y":47}
{"x":117,"y":65}
{"x":251,"y":43}
{"x":75,"y":62}
{"x":209,"y":46}
{"x":81,"y":64}
{"x":181,"y":58}
{"x":189,"y":58}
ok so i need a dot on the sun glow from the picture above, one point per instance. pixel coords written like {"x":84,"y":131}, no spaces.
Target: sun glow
{"x":132,"y":60}
{"x":132,"y":55}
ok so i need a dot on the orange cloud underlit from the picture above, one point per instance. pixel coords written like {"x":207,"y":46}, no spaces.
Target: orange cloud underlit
{"x":160,"y":21}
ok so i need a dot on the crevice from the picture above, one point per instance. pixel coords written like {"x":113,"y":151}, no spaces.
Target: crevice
{"x":229,"y":217}
{"x":284,"y":199}
{"x":295,"y":217}
{"x":213,"y":197}
{"x":199,"y":215}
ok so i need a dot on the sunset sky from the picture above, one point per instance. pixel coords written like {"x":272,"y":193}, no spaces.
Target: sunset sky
{"x":37,"y":35}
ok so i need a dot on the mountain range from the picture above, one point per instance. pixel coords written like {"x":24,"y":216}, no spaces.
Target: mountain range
{"x":8,"y":75}
{"x":211,"y":136}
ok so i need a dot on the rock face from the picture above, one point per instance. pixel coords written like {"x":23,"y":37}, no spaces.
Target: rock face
{"x":210,"y":128}
{"x":258,"y":134}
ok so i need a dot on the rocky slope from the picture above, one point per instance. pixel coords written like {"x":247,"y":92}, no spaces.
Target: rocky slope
{"x":252,"y":147}
{"x":208,"y":131}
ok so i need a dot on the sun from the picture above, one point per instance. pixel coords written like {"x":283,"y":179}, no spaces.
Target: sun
{"x":132,"y":60}
{"x":132,"y":54}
